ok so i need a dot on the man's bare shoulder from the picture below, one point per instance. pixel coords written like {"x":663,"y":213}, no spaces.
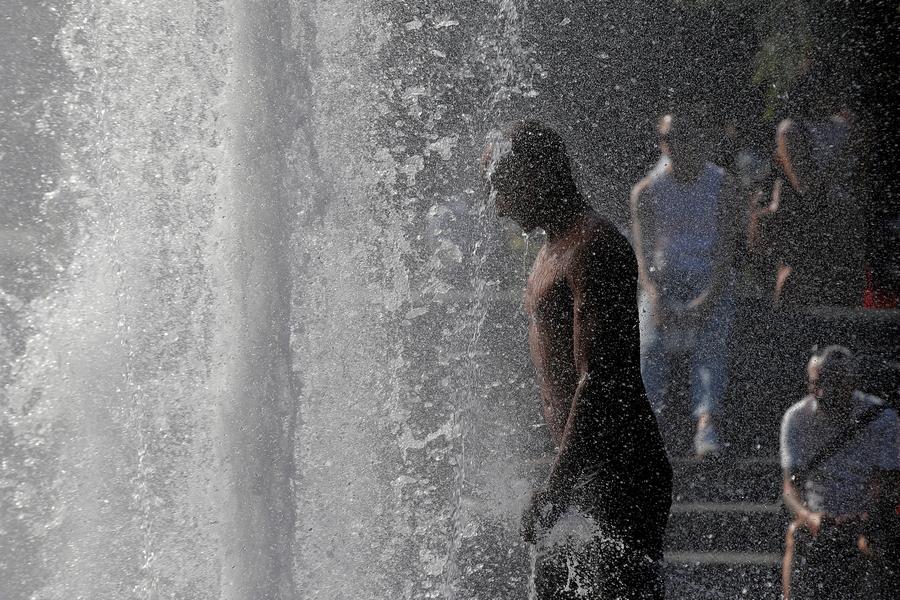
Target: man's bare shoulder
{"x":600,"y":233}
{"x":602,"y":249}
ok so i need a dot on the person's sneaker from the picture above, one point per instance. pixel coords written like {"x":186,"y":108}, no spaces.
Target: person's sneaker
{"x":706,"y":441}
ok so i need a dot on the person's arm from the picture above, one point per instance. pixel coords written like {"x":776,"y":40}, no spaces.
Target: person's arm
{"x":789,"y":448}
{"x":783,"y":138}
{"x":801,"y":513}
{"x":785,"y":130}
{"x":759,"y":214}
{"x":636,"y":203}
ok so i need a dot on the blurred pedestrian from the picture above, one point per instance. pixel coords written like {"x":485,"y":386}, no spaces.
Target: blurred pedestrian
{"x":840,"y":457}
{"x":684,"y":236}
{"x":820,"y":232}
{"x":745,"y":153}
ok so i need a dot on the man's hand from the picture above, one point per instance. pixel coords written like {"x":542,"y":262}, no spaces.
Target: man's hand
{"x":813,"y":522}
{"x":541,"y":513}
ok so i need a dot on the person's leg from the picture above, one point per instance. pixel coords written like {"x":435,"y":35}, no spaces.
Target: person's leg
{"x":810,"y":564}
{"x":608,"y":568}
{"x":625,"y":558}
{"x":578,"y":558}
{"x":878,"y":579}
{"x":851,"y":569}
{"x":709,"y":373}
{"x":644,"y":573}
{"x":709,"y":365}
{"x":642,"y":577}
{"x":623,"y":568}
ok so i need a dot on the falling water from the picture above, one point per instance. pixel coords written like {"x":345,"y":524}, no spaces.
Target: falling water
{"x":532,"y":572}
{"x":255,"y":376}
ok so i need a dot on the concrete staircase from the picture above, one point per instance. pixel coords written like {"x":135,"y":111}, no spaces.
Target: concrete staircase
{"x":726,"y":529}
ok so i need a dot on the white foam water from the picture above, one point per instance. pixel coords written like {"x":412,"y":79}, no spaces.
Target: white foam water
{"x":253,"y":379}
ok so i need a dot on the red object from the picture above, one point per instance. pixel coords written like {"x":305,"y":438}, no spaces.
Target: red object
{"x":878,"y":298}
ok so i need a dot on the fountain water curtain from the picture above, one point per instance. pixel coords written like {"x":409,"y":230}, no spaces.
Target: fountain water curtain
{"x":278,"y":360}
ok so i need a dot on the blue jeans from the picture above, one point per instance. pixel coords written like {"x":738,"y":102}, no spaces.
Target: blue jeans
{"x":704,"y":345}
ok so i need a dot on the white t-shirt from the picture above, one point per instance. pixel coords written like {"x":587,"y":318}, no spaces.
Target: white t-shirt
{"x":839,"y":484}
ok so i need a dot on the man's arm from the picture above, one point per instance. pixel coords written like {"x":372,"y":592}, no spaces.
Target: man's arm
{"x":789,"y":450}
{"x":811,"y":520}
{"x":758,"y":214}
{"x":784,"y":136}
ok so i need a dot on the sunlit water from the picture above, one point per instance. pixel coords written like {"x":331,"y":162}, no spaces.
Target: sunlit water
{"x":257,"y":377}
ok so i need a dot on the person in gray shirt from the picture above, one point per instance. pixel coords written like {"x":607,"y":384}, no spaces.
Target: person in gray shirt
{"x":831,"y":487}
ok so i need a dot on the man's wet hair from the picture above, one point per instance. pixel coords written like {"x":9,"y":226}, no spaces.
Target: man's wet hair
{"x":536,"y":152}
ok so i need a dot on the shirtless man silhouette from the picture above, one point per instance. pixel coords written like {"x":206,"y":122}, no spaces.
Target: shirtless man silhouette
{"x":611,"y":474}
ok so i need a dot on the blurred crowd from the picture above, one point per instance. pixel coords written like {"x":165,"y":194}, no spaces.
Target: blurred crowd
{"x":774,"y":221}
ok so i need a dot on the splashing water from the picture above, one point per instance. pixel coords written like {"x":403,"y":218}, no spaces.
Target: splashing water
{"x":532,"y":572}
{"x":254,"y":376}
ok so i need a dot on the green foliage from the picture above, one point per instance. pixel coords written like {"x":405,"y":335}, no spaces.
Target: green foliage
{"x":786,"y":45}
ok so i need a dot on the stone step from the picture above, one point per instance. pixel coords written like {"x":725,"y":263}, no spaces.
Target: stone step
{"x":726,"y":527}
{"x":723,"y":576}
{"x":744,"y":481}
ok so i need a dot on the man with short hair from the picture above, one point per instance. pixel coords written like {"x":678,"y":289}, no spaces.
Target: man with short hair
{"x":839,"y":447}
{"x":599,"y":520}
